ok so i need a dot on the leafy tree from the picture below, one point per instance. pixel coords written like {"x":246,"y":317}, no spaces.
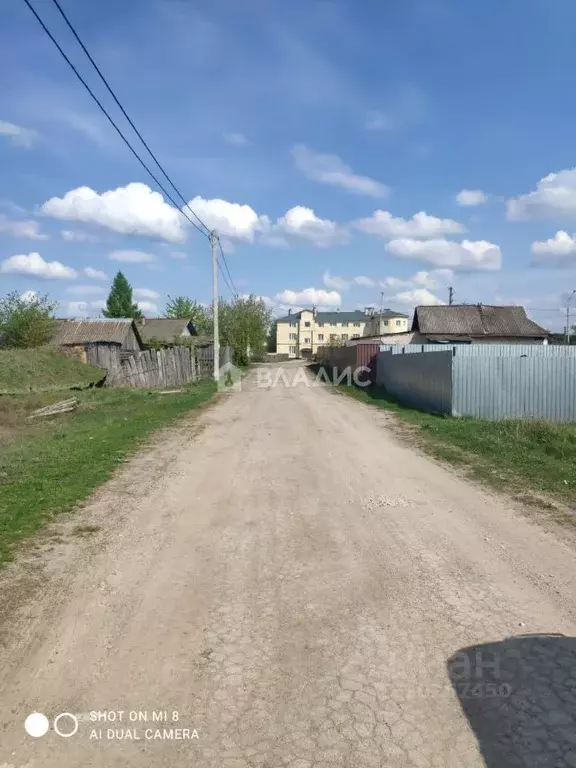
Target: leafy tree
{"x":189,"y":309}
{"x":244,"y":326}
{"x":272,"y":337}
{"x":27,"y":320}
{"x":119,"y":302}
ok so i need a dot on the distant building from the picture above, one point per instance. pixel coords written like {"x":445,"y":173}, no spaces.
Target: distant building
{"x":120,"y":333}
{"x":165,"y":330}
{"x":386,"y":322}
{"x":299,"y":334}
{"x":468,"y":323}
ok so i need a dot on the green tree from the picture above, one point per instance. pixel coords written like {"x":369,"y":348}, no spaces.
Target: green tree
{"x":27,"y":320}
{"x":271,"y":345}
{"x":190,"y":309}
{"x":244,"y":326}
{"x":119,"y":302}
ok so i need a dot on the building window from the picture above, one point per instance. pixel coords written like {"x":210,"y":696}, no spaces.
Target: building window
{"x":385,"y":322}
{"x":306,"y":325}
{"x":345,"y":324}
{"x":292,"y":350}
{"x":357,"y":325}
{"x":356,"y":336}
{"x":293,"y":324}
{"x":344,"y":337}
{"x":320,"y":337}
{"x":292,"y":337}
{"x":320,"y":325}
{"x":333,"y":337}
{"x":307,"y":341}
{"x":398,"y":323}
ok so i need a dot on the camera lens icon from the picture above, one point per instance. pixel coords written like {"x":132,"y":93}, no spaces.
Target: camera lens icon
{"x":38,"y":725}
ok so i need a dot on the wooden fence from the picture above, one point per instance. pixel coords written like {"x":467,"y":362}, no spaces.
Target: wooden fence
{"x":169,"y":367}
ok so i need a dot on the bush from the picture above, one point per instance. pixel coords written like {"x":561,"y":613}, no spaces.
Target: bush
{"x":26,"y":321}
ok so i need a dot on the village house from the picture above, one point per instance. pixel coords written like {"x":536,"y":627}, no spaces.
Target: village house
{"x":475,"y":323}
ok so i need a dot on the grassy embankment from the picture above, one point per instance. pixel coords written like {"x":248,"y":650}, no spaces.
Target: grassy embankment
{"x":531,"y":460}
{"x":47,"y":468}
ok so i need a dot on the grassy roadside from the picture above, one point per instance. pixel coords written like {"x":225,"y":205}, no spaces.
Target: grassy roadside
{"x":524,"y":458}
{"x":47,"y":468}
{"x":46,"y":369}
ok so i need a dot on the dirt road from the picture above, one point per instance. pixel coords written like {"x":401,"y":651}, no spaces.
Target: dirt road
{"x":291,"y":584}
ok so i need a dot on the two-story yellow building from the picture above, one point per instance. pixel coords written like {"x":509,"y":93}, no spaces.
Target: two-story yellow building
{"x":299,"y":334}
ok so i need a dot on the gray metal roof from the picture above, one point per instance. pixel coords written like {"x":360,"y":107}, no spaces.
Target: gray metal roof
{"x":342,"y":317}
{"x":91,"y":330}
{"x":162,"y":328}
{"x":474,"y":320}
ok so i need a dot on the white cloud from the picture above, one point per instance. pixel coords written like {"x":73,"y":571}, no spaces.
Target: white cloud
{"x":145,"y":293}
{"x":342,"y":284}
{"x":337,"y":283}
{"x":382,"y":223}
{"x":468,"y":255}
{"x":76,"y":236}
{"x":131,"y":210}
{"x":558,"y":251}
{"x":330,"y":169}
{"x":309,"y":296}
{"x":85,"y":308}
{"x":94,"y":274}
{"x":148,"y":306}
{"x":471,"y":197}
{"x":230,"y":219}
{"x":303,"y":224}
{"x":17,"y":135}
{"x":415,"y":298}
{"x":85,"y":290}
{"x":28,"y":228}
{"x":177,"y":255}
{"x":553,"y":198}
{"x":430,"y":280}
{"x":29,"y":296}
{"x":367,"y":282}
{"x":33,"y":264}
{"x":237,"y":139}
{"x":131,"y":256}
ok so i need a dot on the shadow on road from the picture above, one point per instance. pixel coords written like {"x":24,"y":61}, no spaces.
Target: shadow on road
{"x":519,"y":696}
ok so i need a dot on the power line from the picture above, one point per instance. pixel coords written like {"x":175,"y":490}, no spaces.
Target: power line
{"x":136,"y":131}
{"x":110,"y":119}
{"x":227,"y":268}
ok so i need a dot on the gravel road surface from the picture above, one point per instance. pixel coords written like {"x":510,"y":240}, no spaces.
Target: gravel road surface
{"x":283,"y":581}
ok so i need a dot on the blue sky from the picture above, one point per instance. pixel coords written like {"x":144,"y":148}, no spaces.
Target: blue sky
{"x":341,"y":149}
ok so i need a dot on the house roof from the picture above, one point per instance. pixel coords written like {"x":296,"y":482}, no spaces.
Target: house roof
{"x":475,"y":320}
{"x":342,"y":317}
{"x":92,"y":330}
{"x":162,"y":328}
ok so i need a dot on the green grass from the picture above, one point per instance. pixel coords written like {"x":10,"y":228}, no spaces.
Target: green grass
{"x":522,"y":457}
{"x":45,"y":369}
{"x":46,"y":469}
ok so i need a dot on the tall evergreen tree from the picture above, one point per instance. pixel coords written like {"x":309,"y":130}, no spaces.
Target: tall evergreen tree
{"x":119,"y":302}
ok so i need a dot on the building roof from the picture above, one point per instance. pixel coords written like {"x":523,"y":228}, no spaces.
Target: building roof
{"x":162,"y":328}
{"x":475,"y":320}
{"x":342,"y":317}
{"x":91,"y":330}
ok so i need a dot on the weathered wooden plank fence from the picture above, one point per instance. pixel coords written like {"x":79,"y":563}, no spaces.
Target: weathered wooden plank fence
{"x":169,"y":367}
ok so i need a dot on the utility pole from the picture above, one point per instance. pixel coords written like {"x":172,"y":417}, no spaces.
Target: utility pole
{"x":381,"y":301}
{"x":568,"y":300}
{"x":450,"y":295}
{"x":213,"y":243}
